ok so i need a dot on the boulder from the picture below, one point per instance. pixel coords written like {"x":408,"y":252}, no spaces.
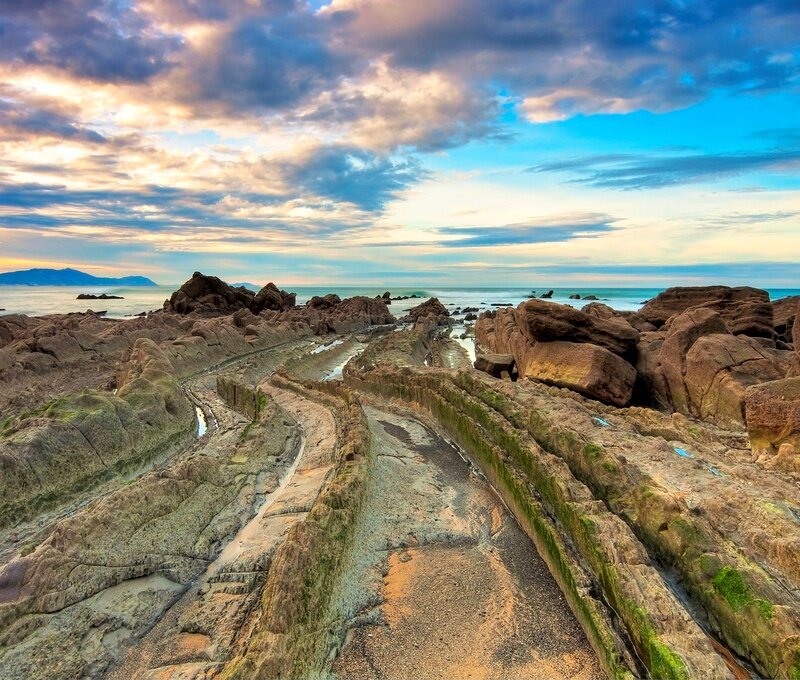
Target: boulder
{"x":784,"y":313}
{"x":574,"y":296}
{"x":355,"y":313}
{"x":495,"y":364}
{"x":547,"y":295}
{"x":270,"y":297}
{"x":545,"y":321}
{"x":327,"y":302}
{"x":651,"y":387}
{"x":470,"y":316}
{"x":745,"y":310}
{"x":719,"y":370}
{"x":208,"y":296}
{"x":428,"y":308}
{"x":773,"y":415}
{"x":588,"y":369}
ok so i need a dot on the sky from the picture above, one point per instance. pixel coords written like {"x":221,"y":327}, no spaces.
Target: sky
{"x":423,"y":142}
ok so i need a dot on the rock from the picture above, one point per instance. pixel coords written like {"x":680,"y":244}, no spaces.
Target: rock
{"x":546,"y":321}
{"x":355,"y":313}
{"x":547,"y":295}
{"x":651,"y":386}
{"x":470,"y":316}
{"x":270,"y":297}
{"x":746,"y":311}
{"x":208,"y":296}
{"x":707,"y":370}
{"x":102,"y":296}
{"x":387,"y":295}
{"x":327,"y":302}
{"x":590,"y":297}
{"x":599,"y":310}
{"x":574,"y":296}
{"x":430,"y":307}
{"x":773,"y":415}
{"x":784,"y":312}
{"x":467,"y":310}
{"x":585,"y":368}
{"x":495,"y":364}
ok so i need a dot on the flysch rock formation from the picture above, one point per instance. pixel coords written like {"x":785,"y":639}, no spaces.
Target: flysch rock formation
{"x":239,"y":487}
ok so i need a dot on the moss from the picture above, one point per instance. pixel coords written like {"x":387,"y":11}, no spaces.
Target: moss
{"x":732,"y":586}
{"x":593,"y":451}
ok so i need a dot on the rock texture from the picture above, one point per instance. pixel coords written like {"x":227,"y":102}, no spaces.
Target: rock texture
{"x":210,"y":296}
{"x":773,"y":416}
{"x":495,"y":364}
{"x":784,"y":313}
{"x":746,"y":311}
{"x":585,"y":368}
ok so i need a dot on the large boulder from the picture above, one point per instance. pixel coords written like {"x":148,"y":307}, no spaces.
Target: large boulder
{"x":745,"y":310}
{"x":324,"y":302}
{"x":773,"y":415}
{"x":355,"y":313}
{"x":429,"y":308}
{"x":588,"y":369}
{"x":208,"y":296}
{"x":272,"y":298}
{"x":546,"y":322}
{"x":707,"y":370}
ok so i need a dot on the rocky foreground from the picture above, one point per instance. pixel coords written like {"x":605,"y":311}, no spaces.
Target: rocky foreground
{"x":239,"y":487}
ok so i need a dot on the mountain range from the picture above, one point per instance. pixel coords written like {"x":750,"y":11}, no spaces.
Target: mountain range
{"x":68,"y":277}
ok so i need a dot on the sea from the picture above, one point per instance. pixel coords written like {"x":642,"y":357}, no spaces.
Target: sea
{"x":39,"y":300}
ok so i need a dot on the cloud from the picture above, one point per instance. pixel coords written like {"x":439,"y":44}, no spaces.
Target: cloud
{"x":96,"y":39}
{"x":553,"y":230}
{"x":622,"y":171}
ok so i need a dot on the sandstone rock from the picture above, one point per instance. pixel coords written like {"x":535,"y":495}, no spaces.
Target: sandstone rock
{"x":746,"y":311}
{"x":430,"y":307}
{"x":545,"y":321}
{"x":270,"y":297}
{"x":651,"y":386}
{"x":773,"y":414}
{"x":585,"y":368}
{"x":495,"y":364}
{"x":784,"y":313}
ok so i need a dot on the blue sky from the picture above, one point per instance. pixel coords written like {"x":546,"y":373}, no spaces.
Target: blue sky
{"x":486,"y":142}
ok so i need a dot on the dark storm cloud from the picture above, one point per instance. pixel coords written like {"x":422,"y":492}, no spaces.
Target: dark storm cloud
{"x":103,"y":40}
{"x":622,"y":171}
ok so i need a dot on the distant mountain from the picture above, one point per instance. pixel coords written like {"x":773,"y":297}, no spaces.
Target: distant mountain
{"x":68,"y":277}
{"x":250,"y":286}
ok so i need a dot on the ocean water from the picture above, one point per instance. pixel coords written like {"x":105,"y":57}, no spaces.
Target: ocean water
{"x":38,"y":300}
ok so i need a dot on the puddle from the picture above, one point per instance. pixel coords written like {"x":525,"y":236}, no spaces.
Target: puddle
{"x":330,"y":345}
{"x":467,"y":343}
{"x":202,"y":423}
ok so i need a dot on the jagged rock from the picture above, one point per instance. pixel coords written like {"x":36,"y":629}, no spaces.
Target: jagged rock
{"x":428,"y":308}
{"x":327,"y":302}
{"x":270,"y":297}
{"x":470,"y":316}
{"x":745,"y":310}
{"x":584,"y":368}
{"x":208,"y":295}
{"x":495,"y":364}
{"x":784,"y":313}
{"x":773,"y":414}
{"x":102,"y":296}
{"x":547,"y":295}
{"x":355,"y":313}
{"x":651,"y":386}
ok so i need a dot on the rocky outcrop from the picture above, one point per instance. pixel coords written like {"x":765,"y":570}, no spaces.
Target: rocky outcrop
{"x":784,"y":313}
{"x":272,"y":298}
{"x":587,"y":351}
{"x":746,"y":311}
{"x":707,"y":369}
{"x":77,"y":440}
{"x":431,"y":310}
{"x":350,"y":314}
{"x":328,"y":301}
{"x":584,"y":368}
{"x":210,"y":296}
{"x":773,"y":418}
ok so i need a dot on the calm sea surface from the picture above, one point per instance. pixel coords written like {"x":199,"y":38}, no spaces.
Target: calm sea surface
{"x":37,"y":300}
